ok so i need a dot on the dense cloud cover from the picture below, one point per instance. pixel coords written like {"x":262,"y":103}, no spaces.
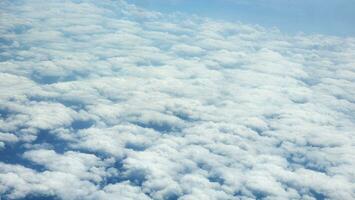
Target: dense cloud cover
{"x":104,"y":100}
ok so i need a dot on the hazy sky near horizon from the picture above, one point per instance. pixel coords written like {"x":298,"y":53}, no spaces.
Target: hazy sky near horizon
{"x":314,"y":16}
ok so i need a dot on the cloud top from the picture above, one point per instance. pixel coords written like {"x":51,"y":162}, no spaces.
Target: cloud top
{"x":126,"y":103}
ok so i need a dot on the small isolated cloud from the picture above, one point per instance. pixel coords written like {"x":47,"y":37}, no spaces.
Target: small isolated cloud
{"x":105,"y":100}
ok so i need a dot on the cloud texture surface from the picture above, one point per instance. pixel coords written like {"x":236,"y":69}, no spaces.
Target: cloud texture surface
{"x":104,"y":100}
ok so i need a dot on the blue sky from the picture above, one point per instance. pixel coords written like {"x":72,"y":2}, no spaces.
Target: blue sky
{"x":308,"y":16}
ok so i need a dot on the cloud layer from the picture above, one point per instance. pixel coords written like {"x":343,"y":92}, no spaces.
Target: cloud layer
{"x":104,"y":100}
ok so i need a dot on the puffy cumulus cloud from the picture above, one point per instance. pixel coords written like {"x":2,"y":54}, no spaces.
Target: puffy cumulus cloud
{"x":104,"y":100}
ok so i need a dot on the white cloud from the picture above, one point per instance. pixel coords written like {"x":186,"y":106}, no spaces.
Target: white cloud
{"x":122,"y":102}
